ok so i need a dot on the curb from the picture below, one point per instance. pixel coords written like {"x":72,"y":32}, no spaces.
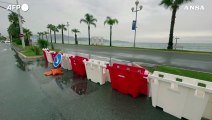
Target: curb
{"x":31,"y":57}
{"x":21,"y":55}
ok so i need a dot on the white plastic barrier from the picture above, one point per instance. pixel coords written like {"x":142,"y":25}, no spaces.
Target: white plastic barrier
{"x":49,"y":56}
{"x":44,"y":52}
{"x":96,"y":71}
{"x":208,"y":110}
{"x":180,"y":96}
{"x":66,"y":62}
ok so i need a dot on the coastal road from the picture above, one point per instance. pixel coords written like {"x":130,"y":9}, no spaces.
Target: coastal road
{"x":26,"y":94}
{"x":192,"y":61}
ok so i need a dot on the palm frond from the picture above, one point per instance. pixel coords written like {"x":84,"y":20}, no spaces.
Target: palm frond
{"x":116,"y":21}
{"x":106,"y":21}
{"x":84,"y":21}
{"x":75,"y":30}
{"x":110,"y":21}
{"x":179,"y":2}
{"x":94,"y":20}
{"x":166,"y":3}
{"x":94,"y":24}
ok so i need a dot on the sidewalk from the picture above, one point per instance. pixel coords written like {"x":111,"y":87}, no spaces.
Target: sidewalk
{"x":192,"y":61}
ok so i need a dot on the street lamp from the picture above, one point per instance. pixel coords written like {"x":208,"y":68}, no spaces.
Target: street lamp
{"x":21,"y":27}
{"x":136,"y":9}
{"x":176,"y":38}
{"x":68,"y":30}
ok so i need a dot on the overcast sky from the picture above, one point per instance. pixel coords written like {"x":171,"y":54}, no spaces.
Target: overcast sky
{"x":153,"y":20}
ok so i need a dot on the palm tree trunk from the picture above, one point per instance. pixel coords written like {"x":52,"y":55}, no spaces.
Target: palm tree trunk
{"x":76,"y":42}
{"x":89,"y":37}
{"x":110,"y":35}
{"x":28,"y":37}
{"x":50,"y":34}
{"x":62,"y":37}
{"x":46,"y":37}
{"x":170,"y":44}
{"x":54,"y":37}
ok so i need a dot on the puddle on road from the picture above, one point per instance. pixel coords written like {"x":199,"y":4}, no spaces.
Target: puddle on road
{"x":67,"y":81}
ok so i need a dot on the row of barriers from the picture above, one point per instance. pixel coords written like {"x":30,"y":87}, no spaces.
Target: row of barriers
{"x":124,"y":78}
{"x":179,"y":96}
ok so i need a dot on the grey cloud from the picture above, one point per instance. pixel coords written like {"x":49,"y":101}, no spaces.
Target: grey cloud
{"x":153,"y":20}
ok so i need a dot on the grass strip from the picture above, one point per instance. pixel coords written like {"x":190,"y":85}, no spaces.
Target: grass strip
{"x":183,"y":72}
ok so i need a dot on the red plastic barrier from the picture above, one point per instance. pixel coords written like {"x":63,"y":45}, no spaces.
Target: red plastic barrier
{"x":44,"y":53}
{"x":53,"y":55}
{"x":78,"y":66}
{"x":128,"y":79}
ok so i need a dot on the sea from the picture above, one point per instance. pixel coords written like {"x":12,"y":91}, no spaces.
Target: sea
{"x":203,"y":47}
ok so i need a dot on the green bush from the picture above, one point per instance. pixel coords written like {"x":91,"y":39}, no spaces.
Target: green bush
{"x":17,"y":41}
{"x":36,"y":50}
{"x":43,"y":43}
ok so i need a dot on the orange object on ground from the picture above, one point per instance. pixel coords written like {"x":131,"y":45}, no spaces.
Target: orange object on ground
{"x":48,"y":73}
{"x":56,"y":71}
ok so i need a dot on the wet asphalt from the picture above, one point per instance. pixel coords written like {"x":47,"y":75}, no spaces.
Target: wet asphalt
{"x":26,"y":94}
{"x":191,"y":61}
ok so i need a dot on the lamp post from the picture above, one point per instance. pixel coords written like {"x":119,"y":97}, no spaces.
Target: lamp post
{"x":21,"y":28}
{"x":68,"y":30}
{"x":136,"y":9}
{"x":176,"y":38}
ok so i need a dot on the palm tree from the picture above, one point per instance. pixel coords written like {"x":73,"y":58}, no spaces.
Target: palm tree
{"x":46,"y":33}
{"x":110,"y":22}
{"x":50,"y":26}
{"x":28,"y":34}
{"x":174,"y":6}
{"x":39,"y":34}
{"x":54,"y":29}
{"x":75,"y":31}
{"x":42,"y":34}
{"x":14,"y":29}
{"x":63,"y":28}
{"x":89,"y":20}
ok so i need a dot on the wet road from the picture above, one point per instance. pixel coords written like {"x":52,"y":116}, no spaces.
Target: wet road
{"x":201,"y":62}
{"x":26,"y":94}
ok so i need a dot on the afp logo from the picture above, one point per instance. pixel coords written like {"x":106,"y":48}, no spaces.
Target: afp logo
{"x":23,"y":7}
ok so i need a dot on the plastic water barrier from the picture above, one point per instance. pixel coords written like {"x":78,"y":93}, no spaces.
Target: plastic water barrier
{"x":180,"y":96}
{"x":49,"y":56}
{"x":66,"y":62}
{"x":53,"y":54}
{"x":96,"y":71}
{"x":78,"y":66}
{"x":128,"y":79}
{"x":44,"y":53}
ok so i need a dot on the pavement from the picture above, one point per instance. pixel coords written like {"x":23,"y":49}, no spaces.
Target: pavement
{"x":191,"y":61}
{"x":26,"y":94}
